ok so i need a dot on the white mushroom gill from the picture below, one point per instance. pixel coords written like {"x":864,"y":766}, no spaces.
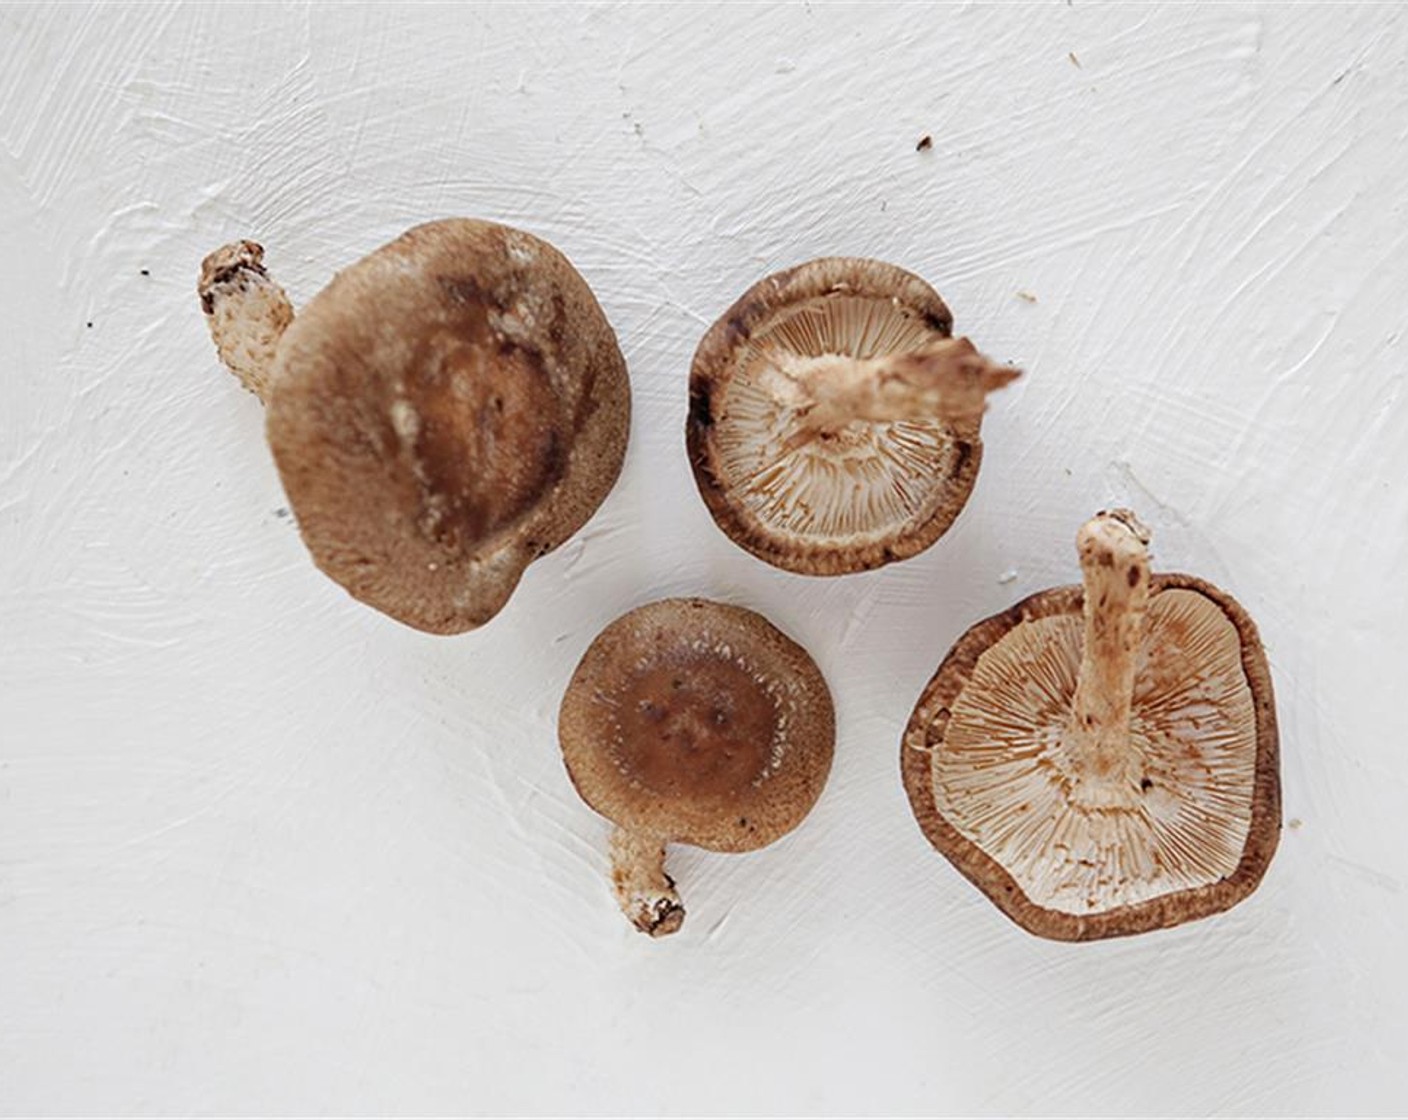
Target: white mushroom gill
{"x":1009,"y":778}
{"x":861,"y":480}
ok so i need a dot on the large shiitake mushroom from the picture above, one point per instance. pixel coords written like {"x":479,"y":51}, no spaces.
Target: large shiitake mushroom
{"x":692,"y":722}
{"x":833,"y":419}
{"x":448,"y":409}
{"x":1103,"y":760}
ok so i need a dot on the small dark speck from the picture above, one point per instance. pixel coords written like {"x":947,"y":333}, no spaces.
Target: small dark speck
{"x":925,"y":143}
{"x":146,"y":272}
{"x":1145,"y":784}
{"x":282,"y":511}
{"x":90,"y":324}
{"x":1343,"y":75}
{"x":1074,"y":60}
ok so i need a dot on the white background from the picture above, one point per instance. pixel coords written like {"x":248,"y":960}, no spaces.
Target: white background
{"x":263,"y":850}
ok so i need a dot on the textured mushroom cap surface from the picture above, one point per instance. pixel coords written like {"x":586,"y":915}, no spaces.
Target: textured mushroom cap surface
{"x":873,"y":493}
{"x":697,"y":722}
{"x":448,"y":409}
{"x":1072,"y":857}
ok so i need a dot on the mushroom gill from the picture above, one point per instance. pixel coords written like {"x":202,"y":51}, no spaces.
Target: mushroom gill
{"x":834,"y":422}
{"x":859,"y":481}
{"x":1103,"y":759}
{"x":1079,"y":841}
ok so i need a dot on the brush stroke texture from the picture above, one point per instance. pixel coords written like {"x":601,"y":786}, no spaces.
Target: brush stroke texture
{"x":262,"y":850}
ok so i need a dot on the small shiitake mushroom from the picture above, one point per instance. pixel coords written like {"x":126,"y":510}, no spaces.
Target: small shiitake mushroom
{"x":1103,"y":760}
{"x":692,"y":722}
{"x":833,"y":419}
{"x":447,"y":410}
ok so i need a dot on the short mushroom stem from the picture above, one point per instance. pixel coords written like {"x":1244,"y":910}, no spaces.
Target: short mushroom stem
{"x":948,"y":380}
{"x":247,"y":312}
{"x":647,"y":895}
{"x":1114,"y":560}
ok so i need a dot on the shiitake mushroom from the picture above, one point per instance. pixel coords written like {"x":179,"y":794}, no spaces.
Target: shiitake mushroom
{"x":448,"y":409}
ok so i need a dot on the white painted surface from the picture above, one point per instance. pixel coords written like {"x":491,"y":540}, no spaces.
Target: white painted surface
{"x":262,"y":850}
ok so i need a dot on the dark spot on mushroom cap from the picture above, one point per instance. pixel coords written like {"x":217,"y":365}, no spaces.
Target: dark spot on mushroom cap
{"x":708,"y":730}
{"x":925,"y":143}
{"x":1133,"y":577}
{"x":483,"y":441}
{"x":1146,"y":784}
{"x":463,"y":290}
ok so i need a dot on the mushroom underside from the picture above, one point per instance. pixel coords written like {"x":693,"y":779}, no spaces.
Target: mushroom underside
{"x":1080,"y":842}
{"x":853,"y":487}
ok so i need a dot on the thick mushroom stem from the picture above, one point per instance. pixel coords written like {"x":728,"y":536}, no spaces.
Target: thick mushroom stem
{"x":646,"y":894}
{"x":246,"y":311}
{"x":1114,"y":560}
{"x":948,"y":380}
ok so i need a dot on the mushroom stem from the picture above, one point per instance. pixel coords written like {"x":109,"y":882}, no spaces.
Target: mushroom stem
{"x":246,"y":311}
{"x":948,"y":380}
{"x":1114,"y":560}
{"x":646,"y":894}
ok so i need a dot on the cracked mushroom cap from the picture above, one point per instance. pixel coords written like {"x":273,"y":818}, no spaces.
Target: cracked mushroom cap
{"x":1167,"y":812}
{"x":448,"y":409}
{"x":847,"y":499}
{"x":697,"y":722}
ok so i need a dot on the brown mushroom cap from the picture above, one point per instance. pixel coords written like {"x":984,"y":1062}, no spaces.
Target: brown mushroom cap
{"x":701,"y":723}
{"x":448,"y":409}
{"x":1072,"y":852}
{"x":866,"y":493}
